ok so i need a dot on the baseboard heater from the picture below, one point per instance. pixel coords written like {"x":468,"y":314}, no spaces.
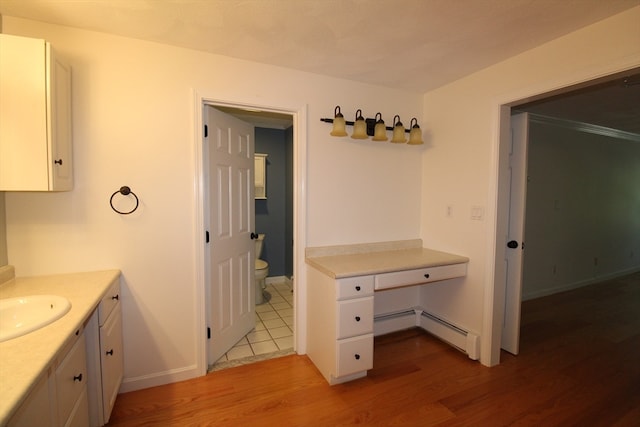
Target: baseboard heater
{"x":465,"y":341}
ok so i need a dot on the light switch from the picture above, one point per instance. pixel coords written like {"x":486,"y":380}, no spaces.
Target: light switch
{"x":477,"y":213}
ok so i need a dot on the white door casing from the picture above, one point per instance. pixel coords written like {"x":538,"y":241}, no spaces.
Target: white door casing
{"x":229,"y":198}
{"x":517,"y":202}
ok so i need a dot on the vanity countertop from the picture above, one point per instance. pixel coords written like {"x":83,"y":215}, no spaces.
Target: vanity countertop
{"x":362,"y":260}
{"x":24,"y":359}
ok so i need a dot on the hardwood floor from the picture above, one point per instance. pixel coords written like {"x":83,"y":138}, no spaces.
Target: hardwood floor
{"x":578,"y":365}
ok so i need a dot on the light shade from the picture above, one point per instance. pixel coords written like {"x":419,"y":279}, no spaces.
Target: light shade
{"x":415,"y":135}
{"x":359,"y":127}
{"x":339,"y":124}
{"x":380,"y":130}
{"x":398,"y":131}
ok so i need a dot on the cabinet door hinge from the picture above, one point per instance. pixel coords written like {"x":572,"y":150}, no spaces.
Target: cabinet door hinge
{"x":208,"y":333}
{"x":206,"y":131}
{"x":206,"y":236}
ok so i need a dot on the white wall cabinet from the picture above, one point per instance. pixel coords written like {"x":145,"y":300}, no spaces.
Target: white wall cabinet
{"x":260,"y":175}
{"x":60,"y":396}
{"x":35,"y":117}
{"x":105,"y":354}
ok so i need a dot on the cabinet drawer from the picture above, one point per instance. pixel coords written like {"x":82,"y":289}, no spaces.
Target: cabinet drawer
{"x":71,"y":378}
{"x":111,"y":360}
{"x":354,"y":355}
{"x":80,"y":415}
{"x":109,"y":301}
{"x":418,"y":276}
{"x":354,"y":287}
{"x":355,"y":317}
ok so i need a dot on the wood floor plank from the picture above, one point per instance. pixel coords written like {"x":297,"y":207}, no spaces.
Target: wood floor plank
{"x":578,"y":365}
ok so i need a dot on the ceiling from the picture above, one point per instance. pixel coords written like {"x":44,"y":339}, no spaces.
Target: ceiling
{"x":414,"y":45}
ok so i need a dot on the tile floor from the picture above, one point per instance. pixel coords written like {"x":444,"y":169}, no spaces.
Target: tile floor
{"x":274,"y":326}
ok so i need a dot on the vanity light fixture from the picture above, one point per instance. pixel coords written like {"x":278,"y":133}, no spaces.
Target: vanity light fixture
{"x":364,"y":128}
{"x":380,"y":130}
{"x":398,"y":131}
{"x":415,"y":135}
{"x":339,"y":124}
{"x":359,"y":127}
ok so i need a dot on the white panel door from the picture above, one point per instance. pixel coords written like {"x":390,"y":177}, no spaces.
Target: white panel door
{"x":515,"y":237}
{"x":230,"y":221}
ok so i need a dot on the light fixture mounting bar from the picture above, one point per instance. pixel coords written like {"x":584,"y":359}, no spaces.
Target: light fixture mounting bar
{"x":349,"y":123}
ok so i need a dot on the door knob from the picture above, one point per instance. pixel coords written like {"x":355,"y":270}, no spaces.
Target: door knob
{"x":512,"y":244}
{"x":254,"y":236}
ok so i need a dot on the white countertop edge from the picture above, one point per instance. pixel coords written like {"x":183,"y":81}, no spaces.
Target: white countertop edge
{"x":361,"y":248}
{"x":379,"y":262}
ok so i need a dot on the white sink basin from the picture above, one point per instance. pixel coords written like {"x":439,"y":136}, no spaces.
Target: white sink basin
{"x":19,"y":316}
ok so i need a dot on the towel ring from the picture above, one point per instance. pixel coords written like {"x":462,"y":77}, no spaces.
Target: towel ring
{"x":125,"y":191}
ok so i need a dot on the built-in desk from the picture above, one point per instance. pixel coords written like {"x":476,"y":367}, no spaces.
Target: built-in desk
{"x":341,"y":285}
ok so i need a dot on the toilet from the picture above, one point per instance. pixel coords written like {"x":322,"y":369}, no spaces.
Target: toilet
{"x":262,"y":271}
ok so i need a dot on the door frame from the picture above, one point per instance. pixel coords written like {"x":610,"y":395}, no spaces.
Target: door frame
{"x":299,"y":118}
{"x":495,"y":276}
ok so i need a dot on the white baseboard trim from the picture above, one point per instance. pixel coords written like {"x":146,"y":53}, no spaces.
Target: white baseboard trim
{"x":465,"y":341}
{"x":159,"y":378}
{"x":393,"y":322}
{"x":575,"y":285}
{"x":274,"y":280}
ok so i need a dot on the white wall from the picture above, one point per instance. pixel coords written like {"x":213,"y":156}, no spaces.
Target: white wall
{"x":3,"y":233}
{"x":133,"y":124}
{"x":460,"y":166}
{"x":583,"y":207}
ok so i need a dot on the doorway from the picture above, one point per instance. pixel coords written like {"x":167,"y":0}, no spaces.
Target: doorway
{"x":296,"y":116}
{"x":574,"y":103}
{"x":272,"y":328}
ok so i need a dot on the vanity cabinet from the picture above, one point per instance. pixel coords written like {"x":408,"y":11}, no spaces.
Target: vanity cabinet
{"x":60,"y":396}
{"x":35,"y":117}
{"x":71,"y":386}
{"x":340,"y":322}
{"x":38,"y":409}
{"x":106,"y":363}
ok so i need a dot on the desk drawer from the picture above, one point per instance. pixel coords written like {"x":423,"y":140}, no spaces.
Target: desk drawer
{"x":354,"y":355}
{"x":354,"y":287}
{"x":355,"y":317}
{"x":419,"y":276}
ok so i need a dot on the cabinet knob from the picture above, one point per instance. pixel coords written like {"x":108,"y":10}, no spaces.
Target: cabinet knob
{"x":426,"y":276}
{"x":58,"y":162}
{"x":358,"y":288}
{"x":78,"y":378}
{"x":109,"y":353}
{"x":115,"y":297}
{"x":357,"y":356}
{"x":357,"y":318}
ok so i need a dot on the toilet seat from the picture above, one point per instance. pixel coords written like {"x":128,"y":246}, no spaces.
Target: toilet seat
{"x":261,"y":264}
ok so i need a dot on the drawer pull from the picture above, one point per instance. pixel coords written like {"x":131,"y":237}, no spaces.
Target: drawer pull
{"x":426,"y":276}
{"x":357,"y":318}
{"x":78,"y":378}
{"x":109,"y":353}
{"x":358,"y":288}
{"x":115,"y":297}
{"x":357,"y":356}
